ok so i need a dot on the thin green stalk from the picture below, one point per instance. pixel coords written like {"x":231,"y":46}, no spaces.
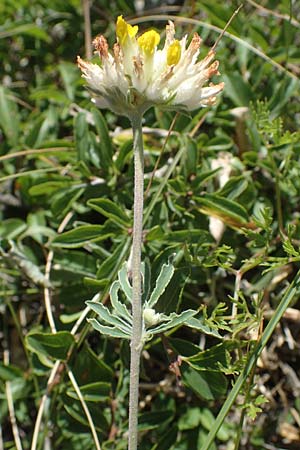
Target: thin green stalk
{"x":137,"y":319}
{"x":286,"y":299}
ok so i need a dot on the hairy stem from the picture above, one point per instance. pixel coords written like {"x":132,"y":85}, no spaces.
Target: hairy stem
{"x":135,"y":345}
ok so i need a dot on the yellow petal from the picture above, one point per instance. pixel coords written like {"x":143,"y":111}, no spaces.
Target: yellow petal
{"x":125,"y":30}
{"x":174,"y":53}
{"x":148,"y":41}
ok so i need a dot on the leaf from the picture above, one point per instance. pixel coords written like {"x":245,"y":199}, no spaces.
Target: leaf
{"x":26,"y":28}
{"x":28,"y":267}
{"x":106,"y":149}
{"x":237,"y":89}
{"x":69,"y":318}
{"x":11,"y":228}
{"x":109,"y":331}
{"x":76,"y":412}
{"x":110,"y":318}
{"x":118,"y":306}
{"x":208,"y":385}
{"x":213,"y":358}
{"x":125,"y":153}
{"x":198,"y":324}
{"x":183,"y":347}
{"x":49,"y":187}
{"x":55,"y":345}
{"x":81,"y":133}
{"x":124,"y":282}
{"x":191,"y":155}
{"x":152,"y":420}
{"x":90,"y":368}
{"x":69,"y":74}
{"x":234,"y":187}
{"x":93,"y":392}
{"x":76,"y":262}
{"x":9,"y":117}
{"x":63,"y":200}
{"x":80,"y":236}
{"x":107,"y":268}
{"x":174,"y":320}
{"x":190,"y":419}
{"x":110,"y":210}
{"x":10,"y":372}
{"x":168,"y":439}
{"x":230,"y":212}
{"x":41,"y":127}
{"x":146,"y":273}
{"x":162,"y":282}
{"x":192,"y":236}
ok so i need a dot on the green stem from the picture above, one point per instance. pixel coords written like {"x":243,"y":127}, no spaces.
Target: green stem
{"x":137,"y":319}
{"x":285,"y":301}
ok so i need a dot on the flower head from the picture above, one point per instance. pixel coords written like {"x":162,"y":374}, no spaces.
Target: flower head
{"x":139,"y":75}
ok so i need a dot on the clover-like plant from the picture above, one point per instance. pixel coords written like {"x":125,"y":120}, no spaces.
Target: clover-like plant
{"x":137,"y":76}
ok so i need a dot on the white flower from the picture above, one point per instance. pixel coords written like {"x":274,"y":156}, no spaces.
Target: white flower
{"x":139,"y":75}
{"x":151,"y":317}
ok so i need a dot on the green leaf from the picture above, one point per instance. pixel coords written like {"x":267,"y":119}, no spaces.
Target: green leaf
{"x":162,"y":282}
{"x":28,"y":267}
{"x":10,"y":372}
{"x":69,"y":74}
{"x":192,"y":236}
{"x":64,"y":200}
{"x":80,"y":236}
{"x":118,"y":306}
{"x":109,"y":264}
{"x":11,"y":228}
{"x":109,"y":331}
{"x":191,"y":155}
{"x":9,"y":117}
{"x":109,"y":318}
{"x":208,"y":385}
{"x":110,"y":210}
{"x":237,"y":89}
{"x":90,"y":368}
{"x":26,"y":28}
{"x":183,"y":347}
{"x":234,"y":187}
{"x":152,"y":420}
{"x":174,"y":320}
{"x":168,"y":439}
{"x":124,"y":282}
{"x":212,"y":358}
{"x":51,"y":345}
{"x":198,"y":324}
{"x":69,"y":318}
{"x":49,"y":187}
{"x":93,"y":392}
{"x":190,"y":419}
{"x":230,"y":212}
{"x":76,"y":412}
{"x":82,"y":141}
{"x":41,"y":127}
{"x":106,"y":149}
{"x":124,"y":155}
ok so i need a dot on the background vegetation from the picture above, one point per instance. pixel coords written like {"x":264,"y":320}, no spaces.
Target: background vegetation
{"x":61,"y":244}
